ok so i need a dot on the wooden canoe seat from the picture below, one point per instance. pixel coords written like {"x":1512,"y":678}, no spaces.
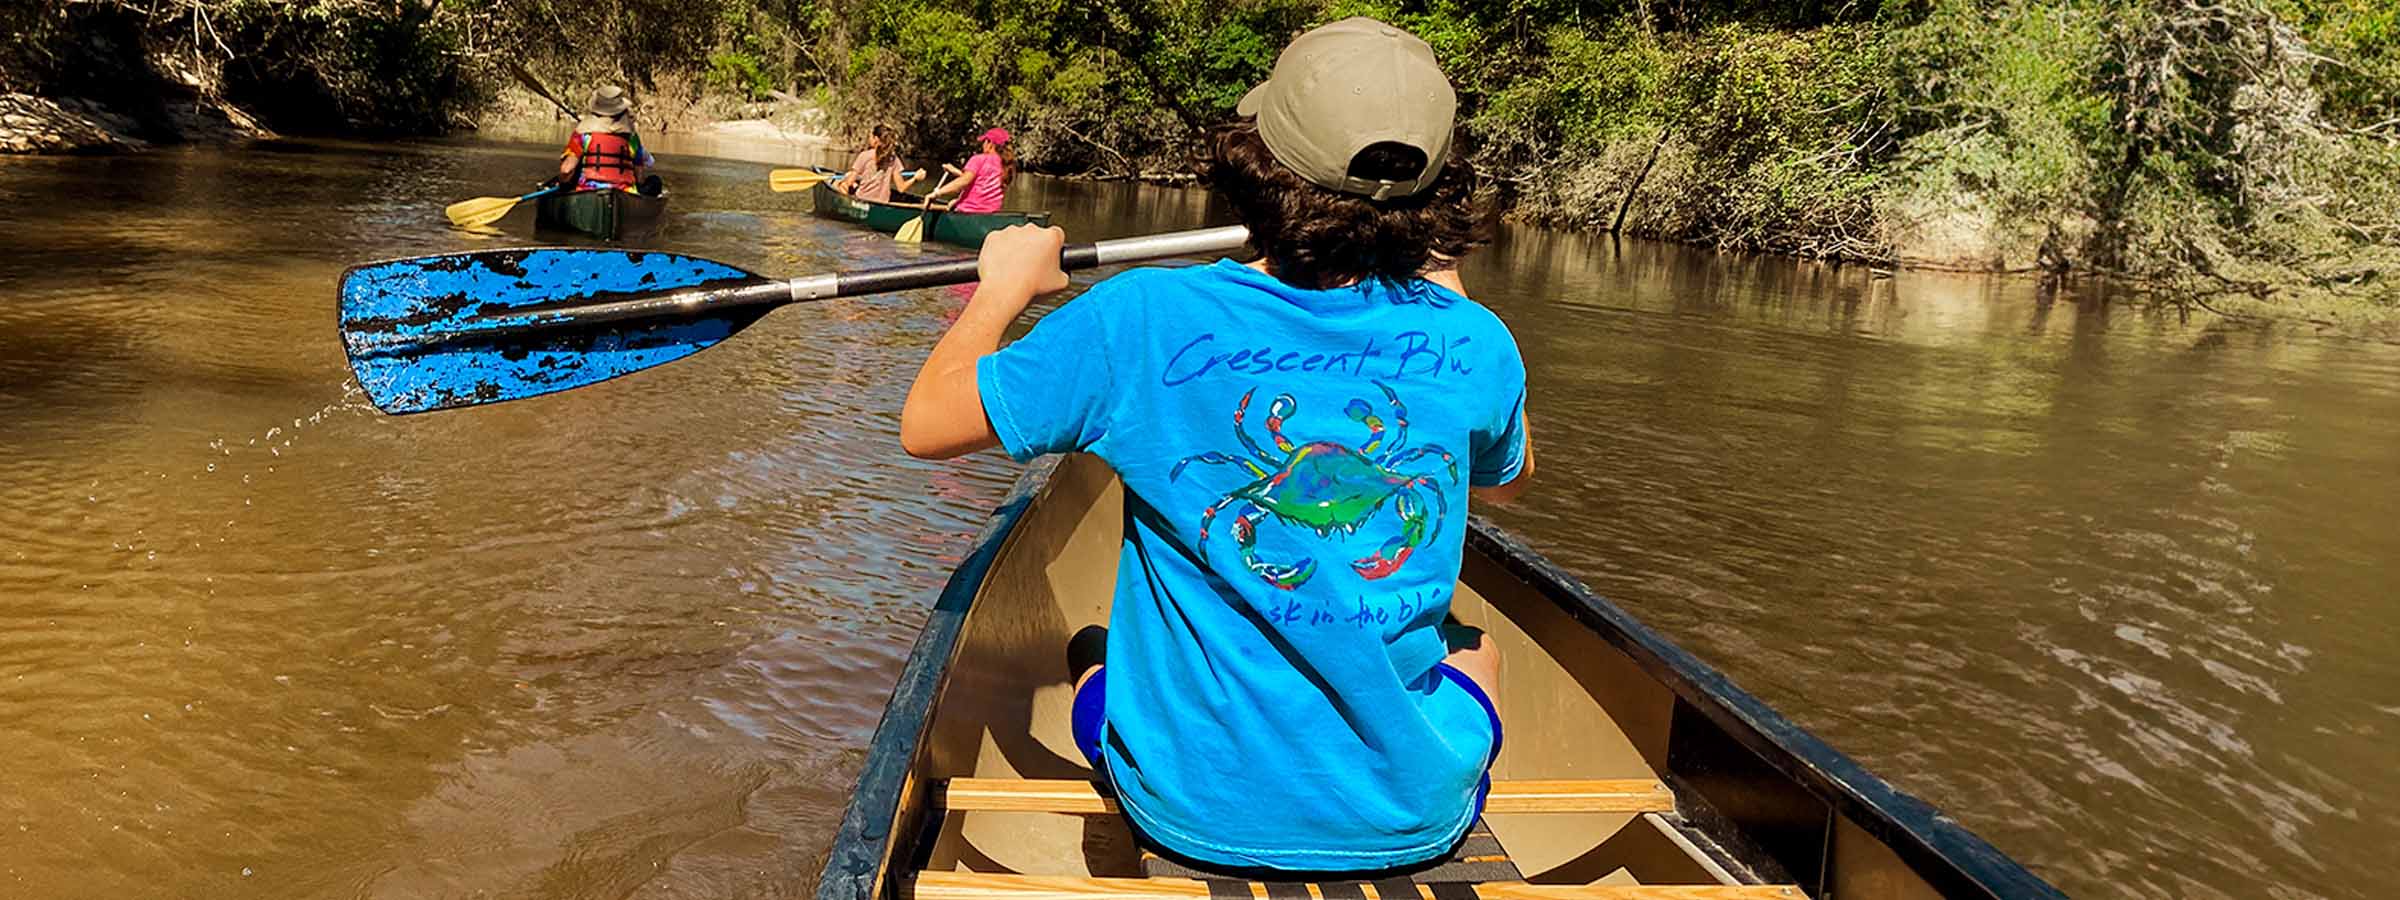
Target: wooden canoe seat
{"x":1478,"y":858}
{"x":1477,"y":869}
{"x":1627,"y":795}
{"x":983,"y":886}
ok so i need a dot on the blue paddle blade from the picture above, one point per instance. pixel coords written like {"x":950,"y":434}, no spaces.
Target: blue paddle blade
{"x":410,"y":325}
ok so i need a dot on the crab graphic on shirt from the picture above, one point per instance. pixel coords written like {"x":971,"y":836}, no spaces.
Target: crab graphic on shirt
{"x":1327,"y":487}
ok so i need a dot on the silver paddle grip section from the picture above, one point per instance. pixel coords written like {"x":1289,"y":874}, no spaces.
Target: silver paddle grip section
{"x":695,"y":302}
{"x":815,"y":287}
{"x":1199,"y":242}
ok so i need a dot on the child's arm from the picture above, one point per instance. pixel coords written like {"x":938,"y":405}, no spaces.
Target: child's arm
{"x":943,"y":416}
{"x":1515,"y":487}
{"x":1446,"y":275}
{"x":951,"y":186}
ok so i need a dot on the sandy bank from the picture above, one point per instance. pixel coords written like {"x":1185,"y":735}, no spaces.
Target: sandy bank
{"x":783,"y":132}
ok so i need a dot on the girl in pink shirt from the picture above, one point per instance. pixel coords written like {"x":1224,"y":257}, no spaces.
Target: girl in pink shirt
{"x":983,"y":184}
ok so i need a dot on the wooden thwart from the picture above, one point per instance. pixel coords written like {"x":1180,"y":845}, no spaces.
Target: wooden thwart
{"x":1625,"y":795}
{"x":983,"y":886}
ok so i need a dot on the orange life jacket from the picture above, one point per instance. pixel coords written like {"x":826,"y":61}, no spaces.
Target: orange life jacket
{"x":607,"y":159}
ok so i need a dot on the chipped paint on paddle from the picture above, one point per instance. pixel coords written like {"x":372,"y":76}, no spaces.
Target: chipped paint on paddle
{"x":390,"y":309}
{"x":467,"y":329}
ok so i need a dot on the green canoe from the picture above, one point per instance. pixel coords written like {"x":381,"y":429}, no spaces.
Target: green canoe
{"x":955,"y":228}
{"x":607,"y":214}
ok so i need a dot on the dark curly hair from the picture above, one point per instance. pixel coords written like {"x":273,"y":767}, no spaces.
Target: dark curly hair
{"x":1319,"y":238}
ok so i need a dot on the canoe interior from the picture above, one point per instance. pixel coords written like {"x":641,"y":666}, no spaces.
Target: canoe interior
{"x":1587,"y":693}
{"x":956,"y":229}
{"x":609,"y":215}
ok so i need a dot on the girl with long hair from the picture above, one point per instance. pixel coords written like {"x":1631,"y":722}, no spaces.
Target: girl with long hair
{"x":875,"y":173}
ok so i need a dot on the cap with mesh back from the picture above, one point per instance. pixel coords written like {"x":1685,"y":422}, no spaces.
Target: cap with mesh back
{"x":1347,"y":86}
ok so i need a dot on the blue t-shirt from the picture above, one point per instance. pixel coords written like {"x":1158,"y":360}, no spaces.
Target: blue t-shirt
{"x":1296,"y":466}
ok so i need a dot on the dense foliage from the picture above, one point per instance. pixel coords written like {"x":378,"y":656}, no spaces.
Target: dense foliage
{"x":2245,"y":146}
{"x":2210,"y":143}
{"x":307,"y":65}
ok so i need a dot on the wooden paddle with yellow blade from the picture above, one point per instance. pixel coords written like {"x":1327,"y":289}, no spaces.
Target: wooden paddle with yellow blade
{"x":785,"y":181}
{"x":913,"y":230}
{"x":483,"y":211}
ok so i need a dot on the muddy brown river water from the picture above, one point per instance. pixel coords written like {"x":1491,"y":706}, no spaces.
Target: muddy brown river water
{"x":2113,"y":587}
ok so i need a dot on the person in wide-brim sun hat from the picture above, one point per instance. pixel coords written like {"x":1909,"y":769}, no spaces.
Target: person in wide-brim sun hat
{"x":608,"y":111}
{"x":604,"y":151}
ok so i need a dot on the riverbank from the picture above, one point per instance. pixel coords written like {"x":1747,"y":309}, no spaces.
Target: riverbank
{"x":782,"y":131}
{"x":2233,"y":155}
{"x":136,"y":104}
{"x":1956,"y":240}
{"x":795,"y":132}
{"x":34,"y":124}
{"x":109,"y":75}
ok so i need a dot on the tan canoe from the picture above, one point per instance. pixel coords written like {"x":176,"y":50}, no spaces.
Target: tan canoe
{"x":1631,"y":769}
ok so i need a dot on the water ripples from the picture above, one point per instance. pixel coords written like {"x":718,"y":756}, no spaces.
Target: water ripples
{"x":2103,"y":584}
{"x":254,"y":640}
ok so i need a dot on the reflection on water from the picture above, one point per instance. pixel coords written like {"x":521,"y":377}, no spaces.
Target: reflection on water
{"x":2105,"y":584}
{"x":2102,"y":583}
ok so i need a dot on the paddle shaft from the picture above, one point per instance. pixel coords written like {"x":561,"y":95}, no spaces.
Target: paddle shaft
{"x":787,"y":180}
{"x":707,"y":301}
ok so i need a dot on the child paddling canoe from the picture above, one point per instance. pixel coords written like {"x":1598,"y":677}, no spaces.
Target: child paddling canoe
{"x":1297,"y":438}
{"x":982,"y":186}
{"x":604,"y":152}
{"x":875,"y":173}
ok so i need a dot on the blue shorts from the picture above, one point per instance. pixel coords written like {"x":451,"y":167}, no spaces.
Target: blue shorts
{"x":1091,"y":706}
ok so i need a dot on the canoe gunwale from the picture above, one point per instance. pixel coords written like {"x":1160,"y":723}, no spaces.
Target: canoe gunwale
{"x":1949,"y":857}
{"x":866,"y":836}
{"x":938,"y":225}
{"x":1944,"y":853}
{"x":1040,"y":216}
{"x":629,"y":215}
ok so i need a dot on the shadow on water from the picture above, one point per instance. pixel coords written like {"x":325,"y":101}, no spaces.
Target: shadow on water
{"x":91,"y":369}
{"x":59,"y":363}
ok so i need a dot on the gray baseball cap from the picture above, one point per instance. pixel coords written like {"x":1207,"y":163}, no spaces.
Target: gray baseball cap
{"x":1346,"y":86}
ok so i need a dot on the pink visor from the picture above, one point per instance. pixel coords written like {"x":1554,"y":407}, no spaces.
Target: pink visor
{"x":997,"y":136}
